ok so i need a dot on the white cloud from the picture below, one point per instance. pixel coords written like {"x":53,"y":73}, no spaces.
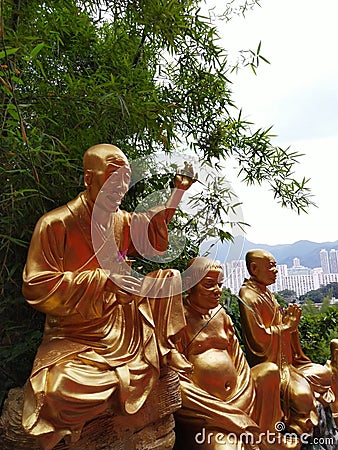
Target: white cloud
{"x":272,"y":224}
{"x":298,"y":94}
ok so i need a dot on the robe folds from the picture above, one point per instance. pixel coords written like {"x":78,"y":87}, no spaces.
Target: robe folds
{"x":95,"y":352}
{"x":222,"y":393}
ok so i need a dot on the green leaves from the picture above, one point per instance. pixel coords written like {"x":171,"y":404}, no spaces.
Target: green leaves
{"x":317,"y":329}
{"x":8,"y":52}
{"x":36,"y":50}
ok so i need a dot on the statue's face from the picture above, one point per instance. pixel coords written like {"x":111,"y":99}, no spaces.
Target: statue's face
{"x":264,"y":270}
{"x":115,"y":187}
{"x":206,"y":294}
{"x":109,"y":184}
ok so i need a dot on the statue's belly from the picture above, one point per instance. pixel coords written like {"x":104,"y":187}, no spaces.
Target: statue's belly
{"x":214,"y":372}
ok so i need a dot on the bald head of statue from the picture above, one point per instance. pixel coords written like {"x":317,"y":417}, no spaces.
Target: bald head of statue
{"x":261,"y":266}
{"x":98,"y":156}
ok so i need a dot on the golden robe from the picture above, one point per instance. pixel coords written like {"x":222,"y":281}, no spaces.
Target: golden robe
{"x":332,"y":364}
{"x":222,"y":394}
{"x":93,"y":346}
{"x":265,"y":340}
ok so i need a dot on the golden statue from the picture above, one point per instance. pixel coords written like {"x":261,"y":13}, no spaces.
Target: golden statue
{"x":225,"y":404}
{"x":271,"y":335}
{"x":333,"y":366}
{"x":105,"y":338}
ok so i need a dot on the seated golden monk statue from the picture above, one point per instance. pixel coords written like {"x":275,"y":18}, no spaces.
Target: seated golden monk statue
{"x":225,"y":404}
{"x":332,"y":364}
{"x":105,"y":334}
{"x":271,"y":335}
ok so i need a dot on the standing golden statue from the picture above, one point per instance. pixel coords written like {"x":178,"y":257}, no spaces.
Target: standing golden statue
{"x":271,"y":335}
{"x":105,"y":338}
{"x":225,"y":404}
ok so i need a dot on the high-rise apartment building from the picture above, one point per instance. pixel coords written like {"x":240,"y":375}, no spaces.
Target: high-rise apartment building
{"x":324,"y":261}
{"x":333,"y":261}
{"x":282,"y":274}
{"x":235,"y":273}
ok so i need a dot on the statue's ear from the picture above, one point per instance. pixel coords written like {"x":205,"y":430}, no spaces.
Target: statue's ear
{"x":253,"y":267}
{"x":88,"y":177}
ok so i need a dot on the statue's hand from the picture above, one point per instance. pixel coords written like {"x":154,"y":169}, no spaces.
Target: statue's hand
{"x":125,"y":287}
{"x":291,"y":317}
{"x":185,"y":178}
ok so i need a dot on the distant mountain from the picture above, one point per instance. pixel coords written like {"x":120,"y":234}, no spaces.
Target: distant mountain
{"x":306,"y":251}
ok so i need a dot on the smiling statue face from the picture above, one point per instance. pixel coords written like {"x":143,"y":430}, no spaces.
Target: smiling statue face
{"x":115,"y":186}
{"x":107,"y":176}
{"x":205,"y":295}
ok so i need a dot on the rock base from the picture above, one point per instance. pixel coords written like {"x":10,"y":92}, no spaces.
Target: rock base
{"x":152,"y":428}
{"x":325,"y":434}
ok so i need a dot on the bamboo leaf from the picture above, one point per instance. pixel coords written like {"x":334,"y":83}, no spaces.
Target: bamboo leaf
{"x":8,"y":51}
{"x":36,"y":50}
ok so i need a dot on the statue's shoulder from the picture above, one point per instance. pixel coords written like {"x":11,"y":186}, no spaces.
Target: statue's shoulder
{"x":51,"y":218}
{"x":246,"y":289}
{"x":251,"y":295}
{"x":62,"y":214}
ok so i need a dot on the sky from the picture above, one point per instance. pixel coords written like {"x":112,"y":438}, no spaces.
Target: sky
{"x":297,"y":93}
